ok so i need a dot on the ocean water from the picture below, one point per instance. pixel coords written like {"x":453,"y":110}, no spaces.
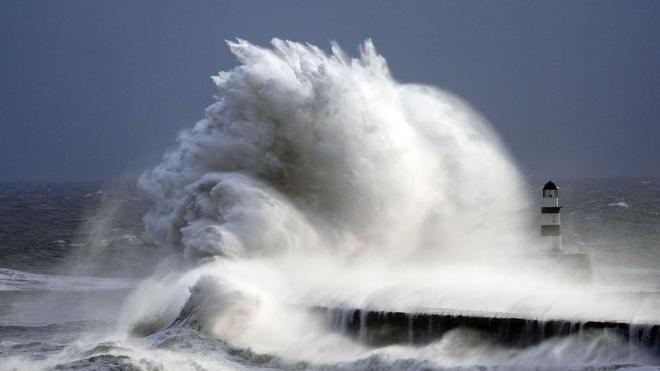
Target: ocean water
{"x":317,"y":183}
{"x":60,"y":298}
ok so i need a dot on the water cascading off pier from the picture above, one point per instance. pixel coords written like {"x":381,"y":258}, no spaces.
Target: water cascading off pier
{"x":375,"y":327}
{"x":381,"y":328}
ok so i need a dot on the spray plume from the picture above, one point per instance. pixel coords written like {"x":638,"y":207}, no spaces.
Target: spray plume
{"x":318,"y":179}
{"x":305,"y":150}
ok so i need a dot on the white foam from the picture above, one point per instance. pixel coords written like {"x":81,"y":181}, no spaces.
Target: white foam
{"x":13,"y":280}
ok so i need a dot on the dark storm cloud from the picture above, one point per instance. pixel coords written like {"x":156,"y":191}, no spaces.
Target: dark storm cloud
{"x":97,"y":89}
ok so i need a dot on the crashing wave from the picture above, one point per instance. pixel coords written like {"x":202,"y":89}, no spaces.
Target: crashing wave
{"x":306,"y":150}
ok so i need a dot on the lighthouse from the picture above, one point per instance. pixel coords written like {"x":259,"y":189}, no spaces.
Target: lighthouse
{"x":550,"y":222}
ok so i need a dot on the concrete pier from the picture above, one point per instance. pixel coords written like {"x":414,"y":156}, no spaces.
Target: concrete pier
{"x":386,"y":328}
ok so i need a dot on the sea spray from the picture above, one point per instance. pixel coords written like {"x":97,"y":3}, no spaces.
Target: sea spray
{"x":318,"y":179}
{"x":305,"y":150}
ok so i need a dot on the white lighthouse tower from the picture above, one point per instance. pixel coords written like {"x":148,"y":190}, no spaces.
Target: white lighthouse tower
{"x":550,"y":221}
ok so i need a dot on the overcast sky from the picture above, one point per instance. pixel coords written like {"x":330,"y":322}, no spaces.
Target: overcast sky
{"x":97,"y":90}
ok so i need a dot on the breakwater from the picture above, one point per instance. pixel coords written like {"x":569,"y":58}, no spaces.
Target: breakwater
{"x":380,"y":328}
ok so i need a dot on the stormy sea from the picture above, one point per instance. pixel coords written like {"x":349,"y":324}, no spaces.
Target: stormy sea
{"x":315,"y":186}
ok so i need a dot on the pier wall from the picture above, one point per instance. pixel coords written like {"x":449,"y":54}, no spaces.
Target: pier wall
{"x":386,"y":328}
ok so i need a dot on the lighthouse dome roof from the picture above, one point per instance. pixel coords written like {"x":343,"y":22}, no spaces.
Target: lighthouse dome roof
{"x":549,"y":186}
